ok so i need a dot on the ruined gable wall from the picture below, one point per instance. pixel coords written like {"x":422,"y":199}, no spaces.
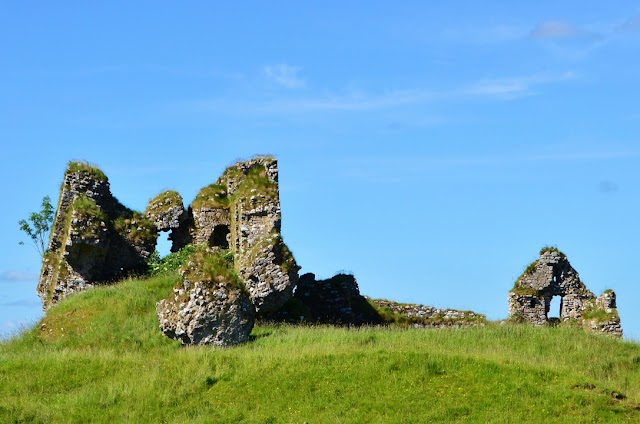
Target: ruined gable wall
{"x":552,"y":275}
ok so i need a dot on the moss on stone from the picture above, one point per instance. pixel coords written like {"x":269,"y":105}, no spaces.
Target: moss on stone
{"x":529,"y":270}
{"x":86,"y":207}
{"x":136,"y":228}
{"x":526,"y":291}
{"x":599,"y":314}
{"x":164,"y":201}
{"x":257,"y":183}
{"x":215,"y":267}
{"x":212,"y":196}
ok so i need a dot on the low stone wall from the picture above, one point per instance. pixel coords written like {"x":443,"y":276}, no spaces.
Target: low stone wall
{"x":422,"y":316}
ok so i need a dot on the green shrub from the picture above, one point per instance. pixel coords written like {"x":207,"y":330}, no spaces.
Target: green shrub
{"x":170,"y":263}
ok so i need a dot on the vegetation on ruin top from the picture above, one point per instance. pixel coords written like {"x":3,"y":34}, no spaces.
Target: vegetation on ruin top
{"x":552,"y":249}
{"x":211,"y":196}
{"x":81,"y":166}
{"x":136,"y":228}
{"x":165,"y":200}
{"x":211,"y":266}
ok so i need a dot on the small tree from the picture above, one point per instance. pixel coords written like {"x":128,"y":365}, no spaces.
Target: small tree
{"x":41,"y":222}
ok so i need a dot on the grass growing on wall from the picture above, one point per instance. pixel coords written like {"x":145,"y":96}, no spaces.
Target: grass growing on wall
{"x":99,"y":356}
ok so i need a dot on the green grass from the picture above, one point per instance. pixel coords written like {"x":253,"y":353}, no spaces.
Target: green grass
{"x":600,"y":315}
{"x":211,"y":196}
{"x":136,"y":228}
{"x":99,"y":356}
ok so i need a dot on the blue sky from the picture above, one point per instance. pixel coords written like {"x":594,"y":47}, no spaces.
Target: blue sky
{"x":430,"y":150}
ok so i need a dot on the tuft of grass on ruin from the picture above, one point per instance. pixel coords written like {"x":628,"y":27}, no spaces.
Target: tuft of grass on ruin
{"x":599,"y":314}
{"x":163,"y":201}
{"x":211,"y":196}
{"x":552,"y":249}
{"x":91,"y":169}
{"x":136,"y":228}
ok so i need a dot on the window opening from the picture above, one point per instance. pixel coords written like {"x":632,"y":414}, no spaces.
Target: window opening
{"x":219,"y":237}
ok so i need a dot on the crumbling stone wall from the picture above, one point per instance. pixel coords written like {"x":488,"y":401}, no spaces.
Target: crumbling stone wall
{"x":552,"y":275}
{"x":336,"y":300}
{"x":94,"y":238}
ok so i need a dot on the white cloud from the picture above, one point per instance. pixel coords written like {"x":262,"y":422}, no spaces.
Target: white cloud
{"x":554,"y":29}
{"x":506,"y":88}
{"x":284,"y":75}
{"x":17,"y":276}
{"x":515,"y":87}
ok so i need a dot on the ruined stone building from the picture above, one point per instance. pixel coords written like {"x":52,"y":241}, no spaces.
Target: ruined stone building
{"x":552,"y":275}
{"x":242,"y":270}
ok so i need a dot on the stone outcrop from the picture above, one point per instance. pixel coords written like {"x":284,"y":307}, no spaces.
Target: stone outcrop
{"x":552,"y":275}
{"x":209,"y":307}
{"x":335,"y":301}
{"x":94,"y":238}
{"x":422,"y":316}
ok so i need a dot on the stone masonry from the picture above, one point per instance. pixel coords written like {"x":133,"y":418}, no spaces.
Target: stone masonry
{"x":94,"y":238}
{"x":552,"y":275}
{"x":241,"y":212}
{"x":207,"y":309}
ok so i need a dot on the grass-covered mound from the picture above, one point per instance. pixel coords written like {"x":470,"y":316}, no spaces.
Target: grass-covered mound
{"x":100,"y":357}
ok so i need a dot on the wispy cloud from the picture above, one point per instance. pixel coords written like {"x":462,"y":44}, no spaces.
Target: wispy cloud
{"x":507,"y":88}
{"x":17,"y":276}
{"x":554,"y":29}
{"x":284,"y":75}
{"x":515,"y":87}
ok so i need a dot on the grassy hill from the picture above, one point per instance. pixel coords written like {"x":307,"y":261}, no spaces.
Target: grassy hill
{"x":100,"y":357}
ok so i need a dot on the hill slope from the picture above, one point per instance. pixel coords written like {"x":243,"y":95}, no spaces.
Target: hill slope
{"x":100,"y":357}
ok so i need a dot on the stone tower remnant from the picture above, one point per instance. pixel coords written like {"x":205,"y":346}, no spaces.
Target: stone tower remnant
{"x":552,"y":275}
{"x":241,"y":212}
{"x":94,"y":238}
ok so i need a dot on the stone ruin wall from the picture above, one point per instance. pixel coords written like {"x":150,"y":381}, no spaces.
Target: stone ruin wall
{"x":94,"y":238}
{"x":552,"y":275}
